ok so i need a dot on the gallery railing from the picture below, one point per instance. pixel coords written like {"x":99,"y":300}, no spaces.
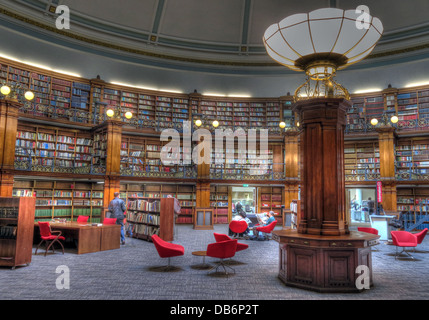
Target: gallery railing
{"x":409,"y":171}
{"x":273,"y":172}
{"x":133,"y":167}
{"x":362,"y":174}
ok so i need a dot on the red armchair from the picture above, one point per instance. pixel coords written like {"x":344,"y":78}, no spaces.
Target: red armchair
{"x":223,"y":237}
{"x":403,"y":239}
{"x":82,"y":219}
{"x":222,"y":250}
{"x":420,"y":236}
{"x":49,"y":237}
{"x":109,"y":221}
{"x":167,"y":250}
{"x":238,"y":227}
{"x":267,"y":229}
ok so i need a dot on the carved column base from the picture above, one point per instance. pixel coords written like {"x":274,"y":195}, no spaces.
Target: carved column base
{"x":325,"y":263}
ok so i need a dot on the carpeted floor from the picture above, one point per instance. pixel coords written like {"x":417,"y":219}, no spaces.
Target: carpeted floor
{"x":129,"y":273}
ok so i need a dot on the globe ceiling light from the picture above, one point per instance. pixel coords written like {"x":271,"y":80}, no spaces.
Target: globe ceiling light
{"x":320,"y":43}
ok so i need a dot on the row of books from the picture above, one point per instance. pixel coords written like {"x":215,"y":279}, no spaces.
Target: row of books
{"x":10,"y":213}
{"x":8,"y":232}
{"x":152,"y":206}
{"x":142,"y":229}
{"x":141,"y":217}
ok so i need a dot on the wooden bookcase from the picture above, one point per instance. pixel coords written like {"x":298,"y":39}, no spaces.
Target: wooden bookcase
{"x":271,"y":199}
{"x":360,"y":159}
{"x":16,"y":231}
{"x":412,"y":157}
{"x":152,"y":216}
{"x":219,"y":202}
{"x":413,"y":203}
{"x":62,"y":199}
{"x":151,"y":192}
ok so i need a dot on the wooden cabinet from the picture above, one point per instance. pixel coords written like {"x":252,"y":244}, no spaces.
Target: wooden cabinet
{"x":16,"y":231}
{"x":203,"y":219}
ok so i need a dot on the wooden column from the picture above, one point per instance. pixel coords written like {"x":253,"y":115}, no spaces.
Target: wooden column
{"x":386,"y":145}
{"x":323,"y":183}
{"x":113,"y":130}
{"x":8,"y":129}
{"x":203,"y":194}
{"x":291,"y":142}
{"x":323,"y":255}
{"x":114,"y":140}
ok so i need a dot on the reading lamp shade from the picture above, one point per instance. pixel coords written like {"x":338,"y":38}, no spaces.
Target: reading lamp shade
{"x":329,"y":34}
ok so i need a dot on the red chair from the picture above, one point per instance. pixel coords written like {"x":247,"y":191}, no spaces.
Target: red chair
{"x":49,"y":236}
{"x":403,"y":239}
{"x":82,"y":219}
{"x":267,"y":229}
{"x":369,"y":230}
{"x":223,"y":237}
{"x":238,"y":227}
{"x":167,"y":250}
{"x":222,"y":250}
{"x":109,"y":221}
{"x":421,"y":235}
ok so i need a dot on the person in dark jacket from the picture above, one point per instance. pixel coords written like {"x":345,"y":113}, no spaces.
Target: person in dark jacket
{"x":117,"y":209}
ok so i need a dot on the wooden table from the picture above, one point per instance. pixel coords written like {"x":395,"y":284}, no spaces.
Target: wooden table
{"x":204,"y":255}
{"x":90,"y":238}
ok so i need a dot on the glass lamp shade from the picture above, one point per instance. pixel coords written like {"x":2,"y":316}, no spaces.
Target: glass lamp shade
{"x":215,"y":124}
{"x":128,"y":115}
{"x":29,"y":95}
{"x":110,"y":113}
{"x":394,"y":119}
{"x":198,"y":123}
{"x":5,"y":90}
{"x":374,"y":122}
{"x":329,"y":34}
{"x":282,"y":125}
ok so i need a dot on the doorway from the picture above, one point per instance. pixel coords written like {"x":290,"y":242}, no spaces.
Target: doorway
{"x":246,"y":197}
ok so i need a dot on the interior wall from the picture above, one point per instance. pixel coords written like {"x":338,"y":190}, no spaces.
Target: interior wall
{"x":139,"y":71}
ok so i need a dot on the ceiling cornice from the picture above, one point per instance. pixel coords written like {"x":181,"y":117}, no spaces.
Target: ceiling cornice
{"x":204,"y":61}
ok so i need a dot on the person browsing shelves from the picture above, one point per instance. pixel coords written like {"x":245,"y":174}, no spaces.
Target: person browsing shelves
{"x":117,"y":209}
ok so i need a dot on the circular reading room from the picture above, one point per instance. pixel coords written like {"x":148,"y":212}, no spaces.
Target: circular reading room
{"x":250,"y":152}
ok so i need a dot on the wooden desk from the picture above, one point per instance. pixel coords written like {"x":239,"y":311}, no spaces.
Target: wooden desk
{"x":90,"y":238}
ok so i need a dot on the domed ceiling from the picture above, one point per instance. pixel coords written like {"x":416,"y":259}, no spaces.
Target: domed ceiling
{"x":221,"y":36}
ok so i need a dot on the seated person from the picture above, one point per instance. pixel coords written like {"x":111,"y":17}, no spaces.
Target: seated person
{"x":270,"y":219}
{"x":241,"y":216}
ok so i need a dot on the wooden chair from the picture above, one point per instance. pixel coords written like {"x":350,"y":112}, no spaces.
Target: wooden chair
{"x":49,"y":236}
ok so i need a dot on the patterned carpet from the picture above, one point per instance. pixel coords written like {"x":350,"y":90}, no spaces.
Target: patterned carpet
{"x":130,"y":273}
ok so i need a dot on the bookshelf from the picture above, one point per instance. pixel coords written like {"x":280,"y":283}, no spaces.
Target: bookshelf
{"x":361,"y":161}
{"x":51,"y":149}
{"x":62,"y":199}
{"x":271,"y":199}
{"x":374,"y":107}
{"x":186,"y":194}
{"x":219,"y":202}
{"x":412,"y":158}
{"x":356,"y":114}
{"x":146,"y":217}
{"x":236,"y":168}
{"x":16,"y":231}
{"x":413,"y":203}
{"x":241,"y":115}
{"x":69,"y":98}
